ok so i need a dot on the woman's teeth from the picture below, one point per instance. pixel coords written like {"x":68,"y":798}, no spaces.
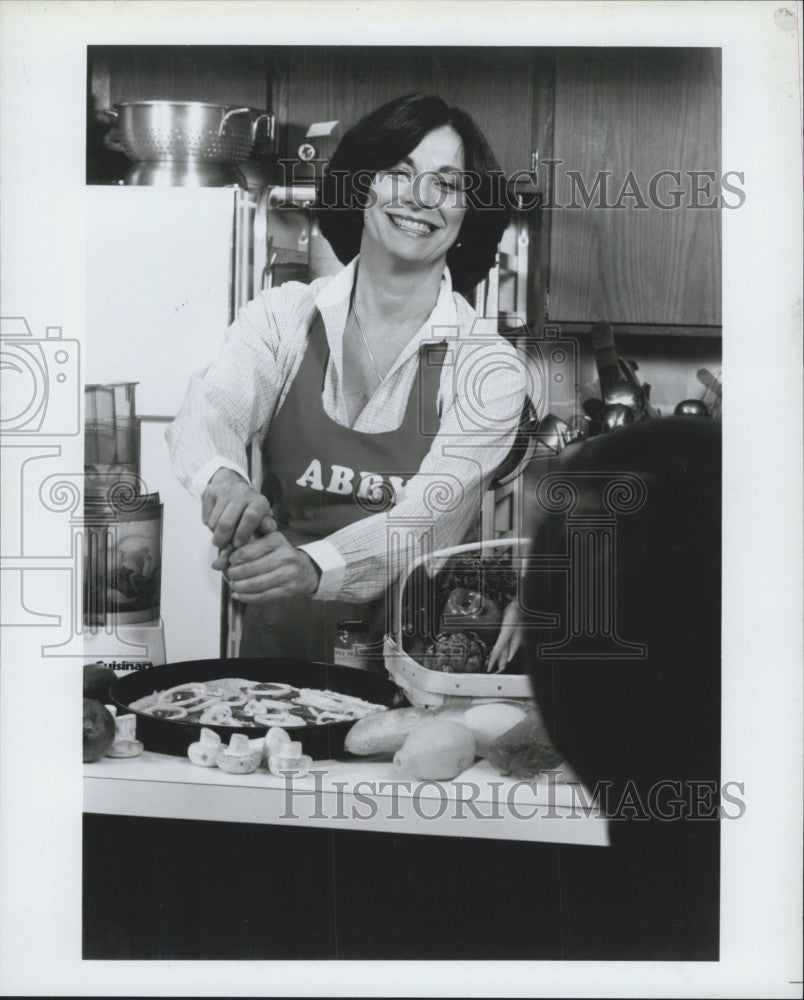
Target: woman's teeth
{"x":409,"y":226}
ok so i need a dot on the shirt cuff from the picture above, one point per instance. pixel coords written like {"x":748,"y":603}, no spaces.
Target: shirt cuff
{"x":201,"y":479}
{"x":332,"y":566}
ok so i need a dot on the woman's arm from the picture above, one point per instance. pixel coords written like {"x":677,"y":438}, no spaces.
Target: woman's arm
{"x":229,"y":402}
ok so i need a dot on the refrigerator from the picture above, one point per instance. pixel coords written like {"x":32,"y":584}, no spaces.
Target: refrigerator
{"x":167,"y":269}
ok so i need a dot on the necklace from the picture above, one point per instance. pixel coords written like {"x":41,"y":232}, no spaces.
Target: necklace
{"x":371,"y":356}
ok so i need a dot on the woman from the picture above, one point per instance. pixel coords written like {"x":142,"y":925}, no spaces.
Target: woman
{"x":382,"y":411}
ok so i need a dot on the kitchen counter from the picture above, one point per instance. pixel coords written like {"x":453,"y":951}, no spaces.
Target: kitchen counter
{"x":184,"y":862}
{"x":362,"y":795}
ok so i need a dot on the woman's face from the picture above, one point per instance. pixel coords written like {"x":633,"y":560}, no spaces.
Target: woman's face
{"x":417,"y":206}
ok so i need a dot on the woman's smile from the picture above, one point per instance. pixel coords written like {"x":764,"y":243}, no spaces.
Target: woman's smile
{"x":415,"y":228}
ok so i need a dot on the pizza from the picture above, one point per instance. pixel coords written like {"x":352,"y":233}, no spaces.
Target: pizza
{"x":232,"y":701}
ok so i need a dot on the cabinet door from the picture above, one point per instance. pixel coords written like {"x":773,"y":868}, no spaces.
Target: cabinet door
{"x":643,"y":111}
{"x":495,"y":85}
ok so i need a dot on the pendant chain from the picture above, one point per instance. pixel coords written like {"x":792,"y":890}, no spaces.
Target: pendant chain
{"x":360,"y":328}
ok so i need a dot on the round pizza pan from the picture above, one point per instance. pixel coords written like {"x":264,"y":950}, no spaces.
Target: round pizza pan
{"x":323,"y":742}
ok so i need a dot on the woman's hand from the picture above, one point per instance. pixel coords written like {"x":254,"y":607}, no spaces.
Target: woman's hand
{"x":234,"y":511}
{"x":270,"y":567}
{"x":508,"y":641}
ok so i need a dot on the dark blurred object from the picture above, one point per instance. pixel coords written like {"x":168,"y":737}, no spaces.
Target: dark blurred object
{"x":106,"y":162}
{"x":615,"y":415}
{"x":631,"y":724}
{"x":692,"y":407}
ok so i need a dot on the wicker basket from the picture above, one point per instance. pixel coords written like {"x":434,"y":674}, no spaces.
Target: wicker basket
{"x":432,"y":688}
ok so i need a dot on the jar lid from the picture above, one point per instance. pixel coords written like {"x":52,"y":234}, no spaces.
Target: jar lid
{"x":353,"y":626}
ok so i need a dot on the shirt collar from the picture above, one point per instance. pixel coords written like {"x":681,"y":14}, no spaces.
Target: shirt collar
{"x":332,"y":301}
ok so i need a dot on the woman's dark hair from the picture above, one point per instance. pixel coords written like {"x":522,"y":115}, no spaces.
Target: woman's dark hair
{"x":384,"y":137}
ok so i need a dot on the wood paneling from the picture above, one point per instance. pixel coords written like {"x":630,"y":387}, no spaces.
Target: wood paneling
{"x":230,"y":75}
{"x":621,"y":110}
{"x":494,"y":85}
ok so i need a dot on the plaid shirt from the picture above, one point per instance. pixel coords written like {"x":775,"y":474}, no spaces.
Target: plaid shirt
{"x":480,"y":400}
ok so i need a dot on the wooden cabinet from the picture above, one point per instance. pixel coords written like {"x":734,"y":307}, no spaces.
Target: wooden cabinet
{"x":496,"y":86}
{"x":621,"y":116}
{"x":230,"y":75}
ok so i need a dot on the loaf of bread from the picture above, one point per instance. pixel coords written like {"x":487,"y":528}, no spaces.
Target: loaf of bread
{"x":385,"y":732}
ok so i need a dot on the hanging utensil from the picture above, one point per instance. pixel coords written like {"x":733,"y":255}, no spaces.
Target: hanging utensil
{"x":608,"y":368}
{"x":619,"y":384}
{"x":713,"y":396}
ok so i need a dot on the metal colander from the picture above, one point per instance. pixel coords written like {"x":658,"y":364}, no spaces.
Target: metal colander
{"x":187,"y":131}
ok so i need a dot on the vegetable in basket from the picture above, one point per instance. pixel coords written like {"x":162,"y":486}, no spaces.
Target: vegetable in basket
{"x":457,"y":653}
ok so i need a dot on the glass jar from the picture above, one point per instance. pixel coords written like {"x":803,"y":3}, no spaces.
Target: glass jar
{"x":351,"y":645}
{"x":122,"y":557}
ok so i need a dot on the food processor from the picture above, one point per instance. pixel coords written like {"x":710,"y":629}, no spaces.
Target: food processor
{"x":122,"y":537}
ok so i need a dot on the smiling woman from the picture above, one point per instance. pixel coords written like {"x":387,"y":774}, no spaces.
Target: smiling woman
{"x":455,"y":170}
{"x":376,"y":368}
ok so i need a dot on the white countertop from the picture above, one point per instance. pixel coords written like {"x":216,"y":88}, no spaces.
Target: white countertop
{"x":362,"y":795}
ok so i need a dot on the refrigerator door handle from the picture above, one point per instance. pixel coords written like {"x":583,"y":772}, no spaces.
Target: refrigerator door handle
{"x":262,"y":242}
{"x":268,"y":272}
